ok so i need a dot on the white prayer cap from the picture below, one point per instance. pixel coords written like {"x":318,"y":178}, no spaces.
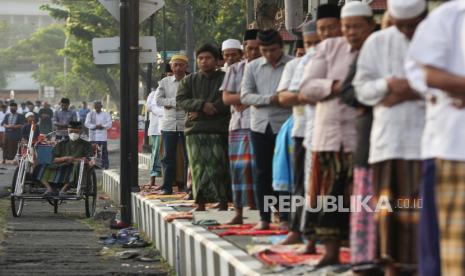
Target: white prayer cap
{"x":356,"y":8}
{"x":231,"y":44}
{"x":29,"y":114}
{"x":406,"y":9}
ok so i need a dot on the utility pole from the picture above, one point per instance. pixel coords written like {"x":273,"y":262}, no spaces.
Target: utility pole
{"x":189,"y":15}
{"x":146,"y":147}
{"x":129,"y":48}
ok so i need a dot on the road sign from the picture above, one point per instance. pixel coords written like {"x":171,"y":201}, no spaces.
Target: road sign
{"x":146,"y":7}
{"x":107,"y":50}
{"x":49,"y":92}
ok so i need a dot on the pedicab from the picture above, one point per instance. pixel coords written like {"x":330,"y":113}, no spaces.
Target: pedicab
{"x":25,"y":187}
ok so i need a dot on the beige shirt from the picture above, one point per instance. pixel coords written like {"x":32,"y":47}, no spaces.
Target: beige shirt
{"x":334,"y":121}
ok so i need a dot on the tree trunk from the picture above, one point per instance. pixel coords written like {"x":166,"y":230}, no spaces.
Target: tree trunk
{"x":265,"y":14}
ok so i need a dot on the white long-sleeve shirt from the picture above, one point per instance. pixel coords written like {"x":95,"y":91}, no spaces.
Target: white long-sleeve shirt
{"x":92,"y":120}
{"x":156,"y":114}
{"x":396,"y":131}
{"x":439,"y":41}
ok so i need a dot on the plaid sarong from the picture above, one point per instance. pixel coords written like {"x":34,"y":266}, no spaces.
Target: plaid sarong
{"x":450,"y":199}
{"x":241,"y":162}
{"x":362,"y":223}
{"x":155,"y":156}
{"x":208,"y":160}
{"x":398,"y":181}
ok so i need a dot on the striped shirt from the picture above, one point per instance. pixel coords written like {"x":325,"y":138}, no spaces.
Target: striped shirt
{"x":232,"y":83}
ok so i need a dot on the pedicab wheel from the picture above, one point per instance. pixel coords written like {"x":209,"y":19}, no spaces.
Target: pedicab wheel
{"x":17,"y":204}
{"x":91,"y":195}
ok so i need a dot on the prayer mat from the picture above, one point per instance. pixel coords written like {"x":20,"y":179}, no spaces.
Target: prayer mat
{"x":178,"y":215}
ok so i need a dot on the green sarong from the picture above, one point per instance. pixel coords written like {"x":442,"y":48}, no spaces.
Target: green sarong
{"x":209,"y":164}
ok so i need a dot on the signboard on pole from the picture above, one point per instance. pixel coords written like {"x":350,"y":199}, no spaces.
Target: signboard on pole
{"x":146,"y":7}
{"x":107,"y":50}
{"x":49,"y":92}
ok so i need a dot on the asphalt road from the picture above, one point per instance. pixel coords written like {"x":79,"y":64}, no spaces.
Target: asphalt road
{"x":43,"y":243}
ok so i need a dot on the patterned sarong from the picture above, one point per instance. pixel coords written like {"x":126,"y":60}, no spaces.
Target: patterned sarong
{"x":450,"y":199}
{"x":155,"y":163}
{"x":241,"y":162}
{"x":362,"y":223}
{"x":208,"y":160}
{"x":398,"y":181}
{"x":331,"y":176}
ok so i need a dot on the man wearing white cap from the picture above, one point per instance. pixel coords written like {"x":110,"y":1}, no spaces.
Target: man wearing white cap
{"x":398,"y":122}
{"x":241,"y":154}
{"x":26,"y":129}
{"x":172,"y":124}
{"x":438,"y":49}
{"x":232,"y":52}
{"x":335,"y":134}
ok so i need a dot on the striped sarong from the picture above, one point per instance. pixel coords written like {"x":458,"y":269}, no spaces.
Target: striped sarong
{"x":209,"y":164}
{"x":398,"y":181}
{"x":63,"y":174}
{"x":450,"y":199}
{"x":155,"y":156}
{"x":242,"y":163}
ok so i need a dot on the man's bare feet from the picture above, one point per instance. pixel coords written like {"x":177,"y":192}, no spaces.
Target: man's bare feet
{"x":236,"y":220}
{"x":223,"y":206}
{"x":309,"y":248}
{"x":284,"y":225}
{"x":200,"y":208}
{"x":331,"y":256}
{"x":292,"y":238}
{"x":188,"y":197}
{"x":262,"y":225}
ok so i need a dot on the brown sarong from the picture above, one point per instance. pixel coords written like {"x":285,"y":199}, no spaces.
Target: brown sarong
{"x":450,"y":200}
{"x":331,"y":176}
{"x":10,"y":147}
{"x":398,"y":181}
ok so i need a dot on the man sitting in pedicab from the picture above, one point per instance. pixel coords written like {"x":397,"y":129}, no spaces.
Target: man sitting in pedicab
{"x":65,"y":163}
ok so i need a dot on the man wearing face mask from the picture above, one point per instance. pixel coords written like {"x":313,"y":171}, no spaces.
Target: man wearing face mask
{"x":66,"y":157}
{"x":12,"y":124}
{"x":289,"y":96}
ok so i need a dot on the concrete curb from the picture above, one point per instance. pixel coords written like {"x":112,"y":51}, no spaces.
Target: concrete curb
{"x":192,"y":250}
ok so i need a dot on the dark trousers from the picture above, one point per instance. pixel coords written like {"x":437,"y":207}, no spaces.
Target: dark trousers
{"x":429,"y":261}
{"x":263,"y":146}
{"x":104,"y":148}
{"x":168,"y":162}
{"x":299,"y":180}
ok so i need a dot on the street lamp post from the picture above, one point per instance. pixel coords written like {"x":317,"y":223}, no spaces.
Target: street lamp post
{"x":129,"y":65}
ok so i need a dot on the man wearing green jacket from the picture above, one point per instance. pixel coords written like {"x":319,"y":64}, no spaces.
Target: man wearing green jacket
{"x":206,"y":129}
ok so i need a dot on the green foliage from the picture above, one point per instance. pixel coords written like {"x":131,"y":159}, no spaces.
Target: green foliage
{"x":83,"y":20}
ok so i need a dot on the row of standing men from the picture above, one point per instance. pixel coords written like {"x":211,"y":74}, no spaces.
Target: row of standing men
{"x":376,"y":114}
